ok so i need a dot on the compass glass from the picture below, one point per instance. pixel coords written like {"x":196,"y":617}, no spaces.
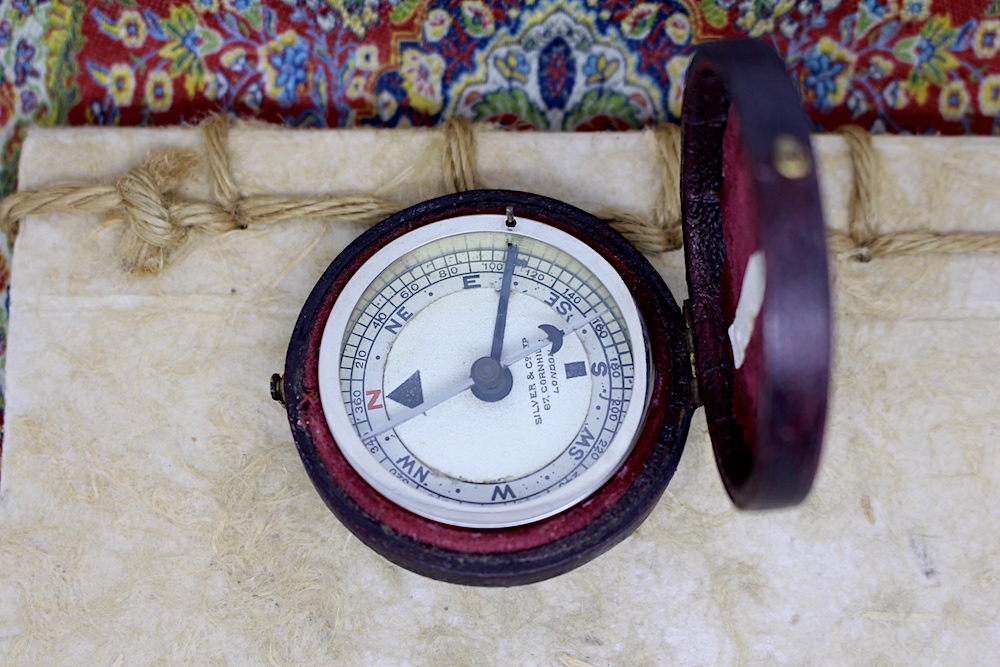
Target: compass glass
{"x":485,"y":375}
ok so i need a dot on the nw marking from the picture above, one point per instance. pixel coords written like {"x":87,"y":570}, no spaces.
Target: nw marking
{"x":410,"y":393}
{"x":407,"y":464}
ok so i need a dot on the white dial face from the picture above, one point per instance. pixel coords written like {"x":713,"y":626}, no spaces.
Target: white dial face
{"x":484,"y":376}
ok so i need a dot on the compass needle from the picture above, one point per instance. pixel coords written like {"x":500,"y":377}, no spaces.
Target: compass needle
{"x":501,"y":323}
{"x":410,"y":393}
{"x":554,"y":336}
{"x":420,"y":408}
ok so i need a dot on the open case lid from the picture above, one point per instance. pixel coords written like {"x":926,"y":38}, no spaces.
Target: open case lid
{"x":755,"y":249}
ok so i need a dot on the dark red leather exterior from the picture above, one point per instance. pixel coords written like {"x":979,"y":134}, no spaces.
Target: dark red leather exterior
{"x":766,"y":425}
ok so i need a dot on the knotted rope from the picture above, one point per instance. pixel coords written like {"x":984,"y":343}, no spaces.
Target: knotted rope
{"x":862,"y":240}
{"x":156,"y":218}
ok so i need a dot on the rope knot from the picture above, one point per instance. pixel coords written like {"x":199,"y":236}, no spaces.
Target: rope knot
{"x":150,"y":230}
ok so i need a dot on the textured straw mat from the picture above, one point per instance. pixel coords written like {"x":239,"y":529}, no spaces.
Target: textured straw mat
{"x":154,"y":509}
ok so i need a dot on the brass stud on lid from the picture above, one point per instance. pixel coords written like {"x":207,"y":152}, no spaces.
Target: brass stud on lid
{"x":791,"y":158}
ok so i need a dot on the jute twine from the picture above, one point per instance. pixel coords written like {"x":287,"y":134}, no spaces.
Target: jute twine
{"x":862,"y":240}
{"x":156,"y":218}
{"x":459,"y":164}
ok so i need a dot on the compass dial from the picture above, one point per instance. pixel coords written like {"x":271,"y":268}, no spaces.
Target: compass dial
{"x":483,"y":374}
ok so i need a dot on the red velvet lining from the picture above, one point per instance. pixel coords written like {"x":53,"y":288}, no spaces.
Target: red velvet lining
{"x":739,"y":226}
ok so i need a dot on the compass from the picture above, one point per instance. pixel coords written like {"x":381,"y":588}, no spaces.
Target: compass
{"x":481,"y":368}
{"x":495,"y":387}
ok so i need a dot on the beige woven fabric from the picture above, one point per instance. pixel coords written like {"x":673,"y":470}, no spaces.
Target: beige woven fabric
{"x":154,"y":510}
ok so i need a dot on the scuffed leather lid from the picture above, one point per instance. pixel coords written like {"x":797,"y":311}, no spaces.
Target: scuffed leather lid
{"x":755,"y":248}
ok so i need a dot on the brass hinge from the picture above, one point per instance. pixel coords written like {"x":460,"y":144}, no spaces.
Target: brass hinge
{"x":278,"y":389}
{"x":689,"y":339}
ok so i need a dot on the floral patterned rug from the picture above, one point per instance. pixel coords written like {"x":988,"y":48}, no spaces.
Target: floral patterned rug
{"x":917,"y":66}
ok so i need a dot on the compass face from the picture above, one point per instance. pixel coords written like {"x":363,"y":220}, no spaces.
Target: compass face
{"x":485,"y":375}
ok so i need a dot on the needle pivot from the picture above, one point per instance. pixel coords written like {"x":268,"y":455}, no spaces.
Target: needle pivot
{"x":492,"y":381}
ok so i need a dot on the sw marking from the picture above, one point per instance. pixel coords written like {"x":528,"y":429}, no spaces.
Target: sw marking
{"x":579,"y":449}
